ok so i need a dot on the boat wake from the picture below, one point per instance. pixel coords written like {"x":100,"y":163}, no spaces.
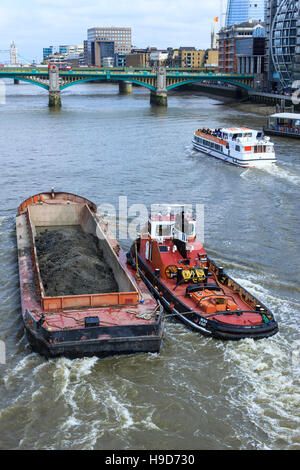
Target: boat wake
{"x":281,"y":173}
{"x":4,"y":219}
{"x":274,"y":170}
{"x":268,"y":386}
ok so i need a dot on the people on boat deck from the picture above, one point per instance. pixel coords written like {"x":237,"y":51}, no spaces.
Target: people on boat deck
{"x":215,"y":132}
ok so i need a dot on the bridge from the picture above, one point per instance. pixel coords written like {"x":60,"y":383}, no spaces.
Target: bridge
{"x":159,"y":81}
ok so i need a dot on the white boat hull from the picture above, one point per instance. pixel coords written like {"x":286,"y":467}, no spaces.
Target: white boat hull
{"x":257,"y":161}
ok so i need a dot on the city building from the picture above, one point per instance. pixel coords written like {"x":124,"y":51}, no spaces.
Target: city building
{"x":283,"y":46}
{"x":96,"y":37}
{"x":250,"y":52}
{"x":239,"y":11}
{"x":187,"y":57}
{"x":85,"y":52}
{"x":242,"y":48}
{"x":69,"y":50}
{"x":108,"y":62}
{"x":120,"y":60}
{"x":138,"y":59}
{"x":54,"y":58}
{"x":212,"y":59}
{"x":72,"y":53}
{"x":190,"y":57}
{"x":103,"y":52}
{"x":47,"y":51}
{"x":158,"y":58}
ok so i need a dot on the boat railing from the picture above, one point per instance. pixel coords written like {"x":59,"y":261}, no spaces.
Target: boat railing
{"x":179,"y":235}
{"x":114,"y":299}
{"x":34,"y":258}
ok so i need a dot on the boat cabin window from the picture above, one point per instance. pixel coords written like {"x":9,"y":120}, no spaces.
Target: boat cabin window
{"x":163,"y":249}
{"x":163,"y":230}
{"x":185,"y":226}
{"x":235,"y":136}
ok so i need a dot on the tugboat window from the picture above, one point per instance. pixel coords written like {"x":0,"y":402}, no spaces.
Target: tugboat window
{"x":163,"y":230}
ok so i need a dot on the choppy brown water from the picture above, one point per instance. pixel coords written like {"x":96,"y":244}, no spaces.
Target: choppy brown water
{"x":198,"y":393}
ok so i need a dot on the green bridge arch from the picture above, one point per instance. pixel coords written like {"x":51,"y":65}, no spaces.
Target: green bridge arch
{"x":110,"y":79}
{"x":24,"y":79}
{"x":219,"y":79}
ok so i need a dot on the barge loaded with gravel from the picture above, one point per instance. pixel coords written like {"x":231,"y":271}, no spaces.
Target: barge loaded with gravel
{"x":79,"y":296}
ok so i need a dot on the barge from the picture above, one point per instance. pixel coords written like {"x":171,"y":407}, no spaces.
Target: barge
{"x":191,"y":287}
{"x":123,"y":320}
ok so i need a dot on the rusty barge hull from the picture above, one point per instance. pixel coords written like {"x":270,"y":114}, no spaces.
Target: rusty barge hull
{"x":97,"y":324}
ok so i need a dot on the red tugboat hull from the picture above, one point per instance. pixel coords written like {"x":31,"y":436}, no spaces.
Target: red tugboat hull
{"x":194,"y":290}
{"x":124,"y":322}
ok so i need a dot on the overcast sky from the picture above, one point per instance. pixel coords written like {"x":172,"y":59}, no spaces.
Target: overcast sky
{"x":34,"y":24}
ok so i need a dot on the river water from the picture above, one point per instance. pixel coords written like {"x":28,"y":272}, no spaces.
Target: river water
{"x":198,"y":393}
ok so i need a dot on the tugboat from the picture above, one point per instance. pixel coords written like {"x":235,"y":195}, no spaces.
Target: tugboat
{"x":122,"y":319}
{"x":239,"y":146}
{"x":192,"y":288}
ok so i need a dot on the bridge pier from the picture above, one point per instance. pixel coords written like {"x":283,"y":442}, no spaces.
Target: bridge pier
{"x":54,"y":99}
{"x":159,"y":97}
{"x":54,"y":87}
{"x":125,"y":88}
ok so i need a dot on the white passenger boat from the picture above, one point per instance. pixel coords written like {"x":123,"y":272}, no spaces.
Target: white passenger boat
{"x":238,"y":146}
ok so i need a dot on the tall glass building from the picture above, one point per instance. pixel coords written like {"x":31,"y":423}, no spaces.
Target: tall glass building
{"x":285,"y":42}
{"x":239,"y":11}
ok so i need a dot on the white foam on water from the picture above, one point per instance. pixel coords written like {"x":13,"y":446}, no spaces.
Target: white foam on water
{"x":70,"y":422}
{"x":94,"y":434}
{"x":121,"y":410}
{"x":282,"y":173}
{"x":4,"y":219}
{"x":267,"y":387}
{"x":285,"y":309}
{"x":148,"y":422}
{"x":18,"y":369}
{"x":69,"y":375}
{"x":247,"y":174}
{"x":272,"y":170}
{"x":118,"y":412}
{"x":269,"y":394}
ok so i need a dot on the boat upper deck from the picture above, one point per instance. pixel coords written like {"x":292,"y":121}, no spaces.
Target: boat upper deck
{"x":223,"y":136}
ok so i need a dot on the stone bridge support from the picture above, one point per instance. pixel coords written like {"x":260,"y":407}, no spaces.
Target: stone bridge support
{"x":159,"y":97}
{"x":54,"y":87}
{"x":125,"y":88}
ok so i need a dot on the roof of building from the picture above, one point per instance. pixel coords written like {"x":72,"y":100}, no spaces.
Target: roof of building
{"x":187,"y":48}
{"x":250,"y":24}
